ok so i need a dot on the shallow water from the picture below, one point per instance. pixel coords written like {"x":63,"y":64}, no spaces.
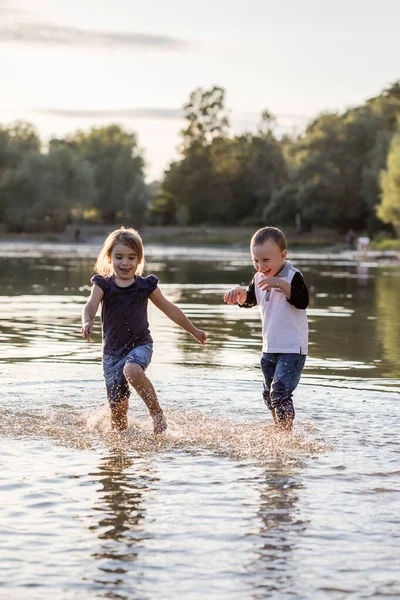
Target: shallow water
{"x":221,"y":506}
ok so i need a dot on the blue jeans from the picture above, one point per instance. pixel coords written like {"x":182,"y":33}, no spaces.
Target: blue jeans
{"x":113,"y":369}
{"x":282,"y":374}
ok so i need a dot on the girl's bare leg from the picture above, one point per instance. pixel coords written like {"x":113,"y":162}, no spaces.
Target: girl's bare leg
{"x":119,"y":415}
{"x":143,"y":386}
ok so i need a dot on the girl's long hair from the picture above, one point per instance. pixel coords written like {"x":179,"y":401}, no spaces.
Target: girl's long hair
{"x":128,"y":236}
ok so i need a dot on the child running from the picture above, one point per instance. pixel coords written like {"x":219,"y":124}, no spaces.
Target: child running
{"x":282,"y":296}
{"x":127,"y":343}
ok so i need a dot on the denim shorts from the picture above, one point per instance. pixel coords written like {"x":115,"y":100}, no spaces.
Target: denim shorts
{"x":282,"y":374}
{"x":113,"y":369}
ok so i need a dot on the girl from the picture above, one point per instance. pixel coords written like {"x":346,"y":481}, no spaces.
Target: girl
{"x":127,"y":343}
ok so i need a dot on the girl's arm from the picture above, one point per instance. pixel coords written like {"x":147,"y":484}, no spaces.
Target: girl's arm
{"x":176,"y":315}
{"x":90,"y":310}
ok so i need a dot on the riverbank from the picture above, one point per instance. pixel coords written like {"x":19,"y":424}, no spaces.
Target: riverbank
{"x":87,"y":239}
{"x":175,"y":235}
{"x":59,"y":250}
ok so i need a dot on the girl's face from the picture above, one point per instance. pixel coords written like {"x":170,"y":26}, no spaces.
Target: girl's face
{"x":268,"y":258}
{"x":125,"y":261}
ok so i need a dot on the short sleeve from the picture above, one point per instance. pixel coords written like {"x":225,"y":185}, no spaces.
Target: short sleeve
{"x":101,"y":282}
{"x":152,"y":283}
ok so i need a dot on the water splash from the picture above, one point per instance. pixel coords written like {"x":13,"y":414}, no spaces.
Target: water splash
{"x":191,"y":431}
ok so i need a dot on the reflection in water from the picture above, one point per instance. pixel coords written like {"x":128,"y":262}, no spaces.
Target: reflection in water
{"x":279,"y":531}
{"x":245,"y":541}
{"x":125,"y":481}
{"x":362,"y":273}
{"x":348,"y":307}
{"x":388,"y":321}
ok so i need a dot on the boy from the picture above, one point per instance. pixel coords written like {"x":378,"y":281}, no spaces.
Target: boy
{"x":282,"y":296}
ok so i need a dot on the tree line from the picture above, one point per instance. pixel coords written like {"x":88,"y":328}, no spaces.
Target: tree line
{"x":96,"y":176}
{"x":342,"y":171}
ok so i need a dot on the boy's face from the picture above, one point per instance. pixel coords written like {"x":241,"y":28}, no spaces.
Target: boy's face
{"x":268,"y":258}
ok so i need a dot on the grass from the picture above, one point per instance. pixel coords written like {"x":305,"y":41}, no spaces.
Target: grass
{"x":385,"y":244}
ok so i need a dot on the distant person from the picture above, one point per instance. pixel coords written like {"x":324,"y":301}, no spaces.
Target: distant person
{"x":127,"y":343}
{"x":282,"y":296}
{"x":350,"y":239}
{"x":77,"y":235}
{"x":363,"y":244}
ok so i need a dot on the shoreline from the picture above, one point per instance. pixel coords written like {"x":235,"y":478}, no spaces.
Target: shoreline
{"x":198,"y":235}
{"x":23,"y":247}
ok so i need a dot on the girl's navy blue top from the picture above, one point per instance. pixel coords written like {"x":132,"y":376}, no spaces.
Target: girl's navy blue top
{"x":124,"y":313}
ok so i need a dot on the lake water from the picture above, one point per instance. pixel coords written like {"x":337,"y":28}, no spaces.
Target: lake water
{"x":221,"y":506}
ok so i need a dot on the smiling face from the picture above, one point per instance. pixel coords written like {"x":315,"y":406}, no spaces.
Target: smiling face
{"x":124,"y":260}
{"x":268,"y":258}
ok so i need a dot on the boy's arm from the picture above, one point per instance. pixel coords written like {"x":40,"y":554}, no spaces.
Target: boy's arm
{"x":90,"y":310}
{"x":299,"y":296}
{"x":241,"y":297}
{"x":176,"y":315}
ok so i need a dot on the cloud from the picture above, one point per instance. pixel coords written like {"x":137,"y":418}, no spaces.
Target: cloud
{"x":25,"y":32}
{"x":238,"y":119}
{"x":126,"y":113}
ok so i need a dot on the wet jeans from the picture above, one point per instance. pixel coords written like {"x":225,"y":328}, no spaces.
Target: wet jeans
{"x":282,"y":374}
{"x":113,"y":369}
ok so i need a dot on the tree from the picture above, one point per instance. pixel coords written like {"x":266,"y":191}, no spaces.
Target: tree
{"x":15,"y":140}
{"x":206,"y":117}
{"x":44,"y":188}
{"x":335,"y":166}
{"x":262,"y":170}
{"x":191,"y":183}
{"x":389,"y":209}
{"x":388,"y":104}
{"x":23,"y":137}
{"x":117,"y":164}
{"x":220,"y":179}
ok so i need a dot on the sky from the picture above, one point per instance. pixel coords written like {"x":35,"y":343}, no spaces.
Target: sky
{"x":75,"y":65}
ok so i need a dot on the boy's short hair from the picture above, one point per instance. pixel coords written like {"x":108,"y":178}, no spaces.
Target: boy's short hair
{"x":269,"y":233}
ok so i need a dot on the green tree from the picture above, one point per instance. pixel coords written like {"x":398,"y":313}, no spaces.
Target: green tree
{"x":23,"y":137}
{"x":262,"y":170}
{"x":220,"y":179}
{"x":387,"y":104}
{"x":44,"y":188}
{"x":16,"y":140}
{"x":206,"y":117}
{"x":389,"y":209}
{"x":118,"y":165}
{"x":191,"y":183}
{"x":335,"y":166}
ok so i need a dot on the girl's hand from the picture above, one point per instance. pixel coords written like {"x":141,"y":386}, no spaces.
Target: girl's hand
{"x":87,"y":330}
{"x":269,"y":282}
{"x":200,"y":336}
{"x":236,"y":294}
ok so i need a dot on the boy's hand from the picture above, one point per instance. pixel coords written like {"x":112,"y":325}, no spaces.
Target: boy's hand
{"x":200,"y":336}
{"x":236,"y":294}
{"x":269,"y":282}
{"x":87,"y":330}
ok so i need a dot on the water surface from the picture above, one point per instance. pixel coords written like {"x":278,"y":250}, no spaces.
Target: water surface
{"x":221,"y":506}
